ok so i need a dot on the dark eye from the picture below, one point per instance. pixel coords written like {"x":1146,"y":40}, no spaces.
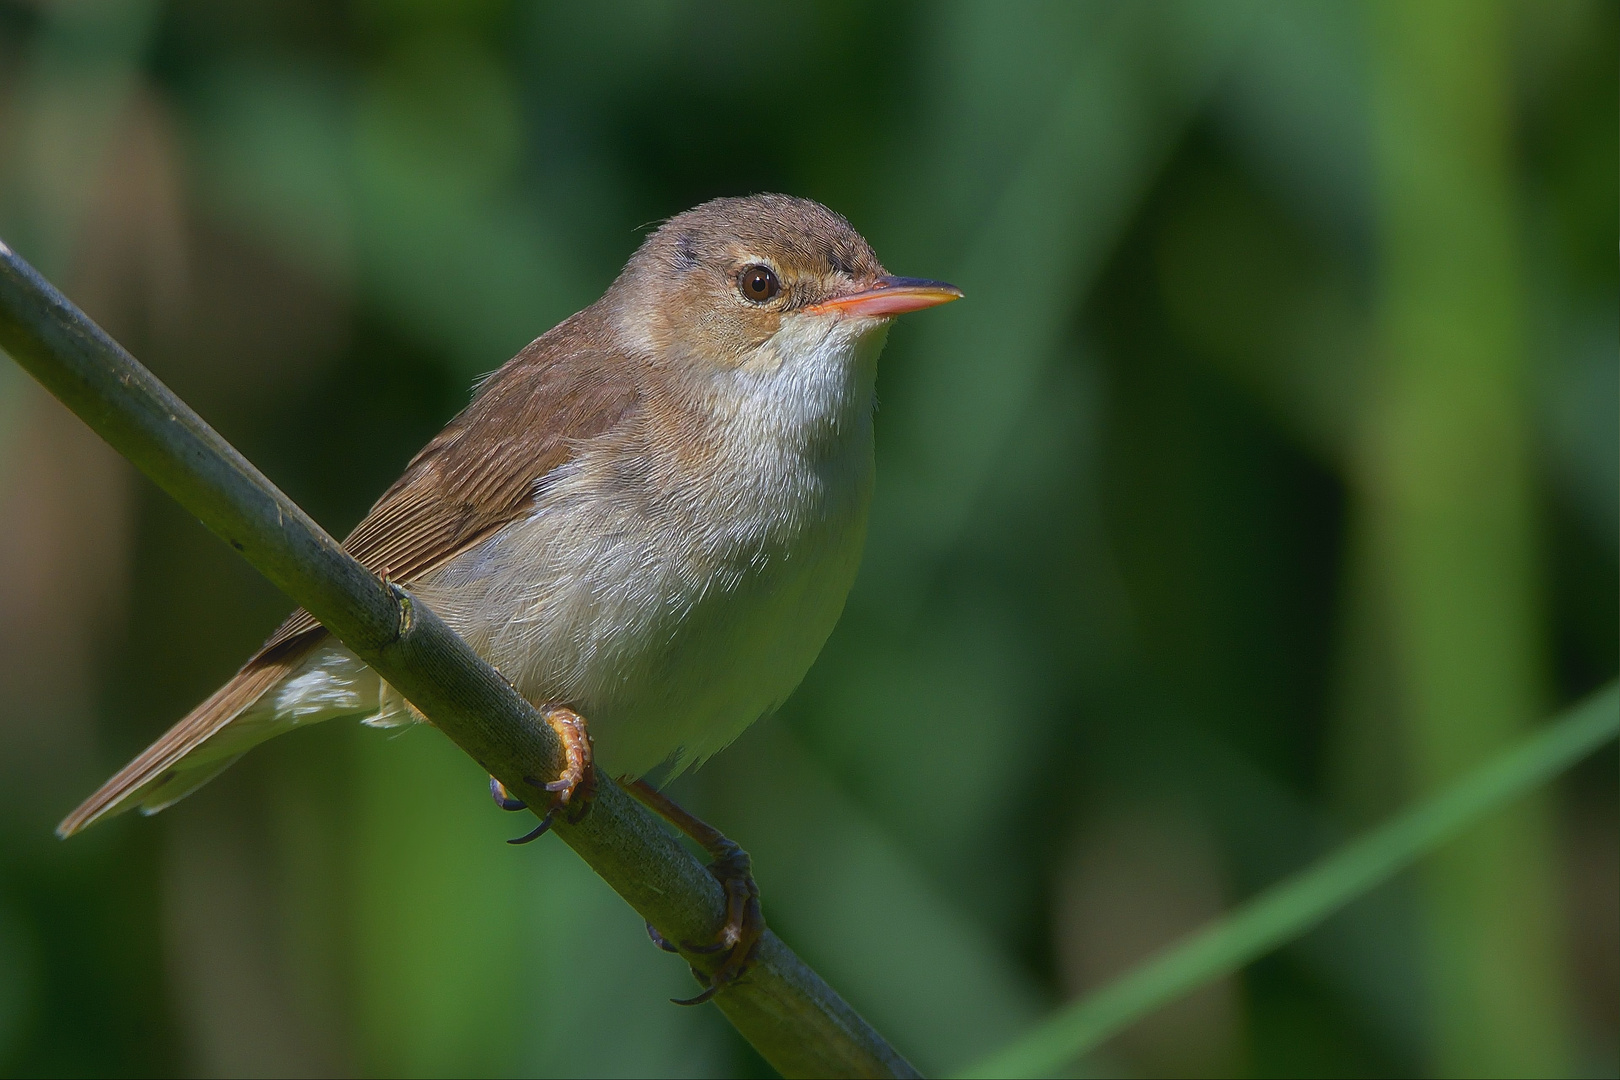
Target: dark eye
{"x":758,"y":283}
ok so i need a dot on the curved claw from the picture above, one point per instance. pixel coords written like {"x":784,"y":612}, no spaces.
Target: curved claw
{"x":735,"y":967}
{"x":503,"y":798}
{"x":660,"y":940}
{"x":714,"y":988}
{"x":706,"y":950}
{"x":537,"y":832}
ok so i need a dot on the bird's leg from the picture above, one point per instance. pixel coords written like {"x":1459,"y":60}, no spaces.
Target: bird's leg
{"x":573,"y":789}
{"x":744,"y":926}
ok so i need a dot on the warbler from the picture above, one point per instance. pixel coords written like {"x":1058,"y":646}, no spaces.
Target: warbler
{"x":648,"y":520}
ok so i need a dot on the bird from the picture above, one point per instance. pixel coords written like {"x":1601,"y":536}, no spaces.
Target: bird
{"x":648,"y":521}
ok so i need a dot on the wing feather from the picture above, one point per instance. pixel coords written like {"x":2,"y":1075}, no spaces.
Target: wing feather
{"x":475,"y":477}
{"x":480,"y":473}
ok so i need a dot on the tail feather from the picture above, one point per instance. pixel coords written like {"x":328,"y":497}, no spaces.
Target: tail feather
{"x":155,"y":768}
{"x":274,"y":693}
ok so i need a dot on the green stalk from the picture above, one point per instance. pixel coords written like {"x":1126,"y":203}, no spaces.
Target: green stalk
{"x":1290,"y":908}
{"x":1445,"y":488}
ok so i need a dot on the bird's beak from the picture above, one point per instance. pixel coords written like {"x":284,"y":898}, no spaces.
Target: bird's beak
{"x":889,"y":296}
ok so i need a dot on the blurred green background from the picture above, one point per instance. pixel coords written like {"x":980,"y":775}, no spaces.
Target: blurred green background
{"x":1268,"y":477}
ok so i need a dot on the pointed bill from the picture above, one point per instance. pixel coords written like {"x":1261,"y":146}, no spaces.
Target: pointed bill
{"x":889,"y":296}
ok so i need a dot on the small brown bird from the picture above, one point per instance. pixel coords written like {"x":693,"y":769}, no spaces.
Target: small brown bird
{"x":648,"y":520}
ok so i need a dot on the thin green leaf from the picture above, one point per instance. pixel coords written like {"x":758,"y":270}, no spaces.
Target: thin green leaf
{"x":1294,"y":906}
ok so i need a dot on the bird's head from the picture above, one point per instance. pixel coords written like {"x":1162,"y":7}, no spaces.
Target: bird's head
{"x":743,"y":282}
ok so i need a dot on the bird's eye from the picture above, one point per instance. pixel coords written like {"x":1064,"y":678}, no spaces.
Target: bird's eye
{"x":758,"y":283}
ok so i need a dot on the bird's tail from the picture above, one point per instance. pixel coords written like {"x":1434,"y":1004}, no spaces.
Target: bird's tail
{"x":263,"y":700}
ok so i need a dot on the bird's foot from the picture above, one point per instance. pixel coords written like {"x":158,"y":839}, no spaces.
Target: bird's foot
{"x":744,"y":926}
{"x":739,"y":936}
{"x":571,"y":793}
{"x":574,"y":789}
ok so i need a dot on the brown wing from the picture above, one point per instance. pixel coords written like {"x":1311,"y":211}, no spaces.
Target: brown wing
{"x":476,"y":476}
{"x":480,"y":473}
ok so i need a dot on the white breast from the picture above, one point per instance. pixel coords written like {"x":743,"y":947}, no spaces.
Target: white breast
{"x":673,"y":605}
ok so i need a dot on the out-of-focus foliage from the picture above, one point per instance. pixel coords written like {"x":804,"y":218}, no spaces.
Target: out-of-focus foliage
{"x":1267,"y":477}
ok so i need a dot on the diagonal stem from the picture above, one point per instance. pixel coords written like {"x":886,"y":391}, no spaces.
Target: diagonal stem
{"x":1295,"y":905}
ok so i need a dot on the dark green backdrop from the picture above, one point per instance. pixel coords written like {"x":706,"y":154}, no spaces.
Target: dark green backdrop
{"x":1266,"y":478}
